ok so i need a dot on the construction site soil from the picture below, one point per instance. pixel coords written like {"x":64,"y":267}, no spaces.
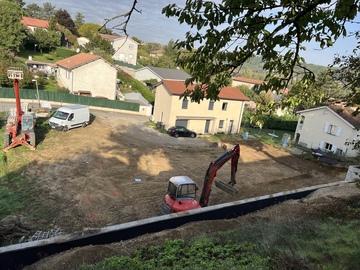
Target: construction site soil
{"x":116,"y":170}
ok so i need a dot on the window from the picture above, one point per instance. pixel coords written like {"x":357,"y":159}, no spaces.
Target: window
{"x":328,"y":146}
{"x":185,"y":104}
{"x":332,"y":129}
{"x":302,"y":119}
{"x":224,"y":106}
{"x":131,"y":46}
{"x":130,"y":56}
{"x":211,"y":105}
{"x":221,"y":123}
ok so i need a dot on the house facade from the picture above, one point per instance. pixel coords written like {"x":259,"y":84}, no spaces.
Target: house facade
{"x":236,"y":81}
{"x":125,"y":48}
{"x":32,"y":24}
{"x":88,"y":74}
{"x":205,"y":117}
{"x":159,"y":74}
{"x":329,"y":128}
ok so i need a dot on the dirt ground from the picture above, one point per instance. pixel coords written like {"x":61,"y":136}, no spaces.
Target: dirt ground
{"x":116,"y":170}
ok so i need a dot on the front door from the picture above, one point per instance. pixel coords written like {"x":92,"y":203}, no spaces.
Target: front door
{"x":230,"y":126}
{"x":207,"y":125}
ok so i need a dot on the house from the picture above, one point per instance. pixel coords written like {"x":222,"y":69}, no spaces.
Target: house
{"x":88,"y":74}
{"x":125,"y":48}
{"x":246,"y":81}
{"x":159,"y":74}
{"x":329,"y":128}
{"x":31,"y":23}
{"x":205,"y":117}
{"x":157,"y":53}
{"x":145,"y":106}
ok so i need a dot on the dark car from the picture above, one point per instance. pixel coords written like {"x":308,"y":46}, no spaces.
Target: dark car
{"x":179,"y":131}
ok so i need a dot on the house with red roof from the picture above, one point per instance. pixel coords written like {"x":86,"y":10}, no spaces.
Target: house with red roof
{"x":208,"y":116}
{"x":332,"y":129}
{"x":236,"y":81}
{"x":32,"y":24}
{"x":88,"y":74}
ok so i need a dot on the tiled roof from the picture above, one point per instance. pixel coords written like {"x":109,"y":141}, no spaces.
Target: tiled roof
{"x":179,"y":87}
{"x":346,"y":114}
{"x":109,"y":37}
{"x":77,"y":60}
{"x":34,"y":22}
{"x":248,"y":80}
{"x":170,"y":73}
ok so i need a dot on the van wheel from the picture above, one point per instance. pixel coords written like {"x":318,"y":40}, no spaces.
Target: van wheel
{"x":65,"y":128}
{"x":84,"y":124}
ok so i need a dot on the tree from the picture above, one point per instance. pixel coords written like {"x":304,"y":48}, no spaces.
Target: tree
{"x":102,"y":46}
{"x":303,"y":96}
{"x":12,"y":31}
{"x":79,"y":20}
{"x":47,"y":40}
{"x":48,"y":11}
{"x":349,"y":75}
{"x":64,"y":19}
{"x":20,"y":3}
{"x":231,"y":32}
{"x":88,"y":30}
{"x":33,"y":11}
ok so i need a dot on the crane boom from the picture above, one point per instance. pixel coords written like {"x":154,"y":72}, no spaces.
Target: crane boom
{"x":233,"y":154}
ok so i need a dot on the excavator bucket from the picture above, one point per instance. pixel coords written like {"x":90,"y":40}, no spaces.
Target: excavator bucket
{"x":226,"y":187}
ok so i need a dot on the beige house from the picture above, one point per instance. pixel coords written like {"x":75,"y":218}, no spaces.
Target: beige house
{"x":88,"y":74}
{"x":159,"y":74}
{"x":125,"y":48}
{"x":329,"y":128}
{"x":236,"y":81}
{"x":205,"y":117}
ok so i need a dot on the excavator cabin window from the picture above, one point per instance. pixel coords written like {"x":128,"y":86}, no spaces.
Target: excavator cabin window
{"x":187,"y":191}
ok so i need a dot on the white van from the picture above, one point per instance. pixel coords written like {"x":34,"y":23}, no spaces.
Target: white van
{"x":69,"y":117}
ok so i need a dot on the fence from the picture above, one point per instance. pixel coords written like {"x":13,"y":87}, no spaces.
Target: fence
{"x":69,"y":98}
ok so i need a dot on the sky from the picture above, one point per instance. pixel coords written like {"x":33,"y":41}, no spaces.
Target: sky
{"x":152,"y":26}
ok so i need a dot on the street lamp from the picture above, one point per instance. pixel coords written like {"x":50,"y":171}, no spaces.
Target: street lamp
{"x":37,"y":91}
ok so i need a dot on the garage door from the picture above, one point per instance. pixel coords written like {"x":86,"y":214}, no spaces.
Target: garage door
{"x":182,"y":123}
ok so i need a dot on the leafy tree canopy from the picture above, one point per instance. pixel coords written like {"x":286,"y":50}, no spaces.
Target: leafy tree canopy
{"x":88,"y":29}
{"x":63,"y":18}
{"x":79,"y":20}
{"x":10,"y":14}
{"x":229,"y":33}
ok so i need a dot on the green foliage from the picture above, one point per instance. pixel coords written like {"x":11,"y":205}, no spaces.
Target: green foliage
{"x":129,"y":84}
{"x":10,"y":14}
{"x":62,"y":52}
{"x":274,"y":31}
{"x":47,"y":40}
{"x":88,"y":29}
{"x":176,"y":254}
{"x":99,"y":44}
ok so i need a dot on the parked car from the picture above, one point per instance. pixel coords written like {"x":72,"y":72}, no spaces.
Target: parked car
{"x":179,"y":131}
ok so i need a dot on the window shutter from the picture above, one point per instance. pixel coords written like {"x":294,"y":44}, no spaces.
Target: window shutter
{"x":338,"y":132}
{"x":322,"y":145}
{"x":333,"y":149}
{"x":326,"y":128}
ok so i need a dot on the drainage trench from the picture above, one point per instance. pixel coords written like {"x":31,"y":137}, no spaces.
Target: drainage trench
{"x":21,"y":255}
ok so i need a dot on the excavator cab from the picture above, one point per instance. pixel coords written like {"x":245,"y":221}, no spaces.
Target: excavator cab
{"x":181,"y":195}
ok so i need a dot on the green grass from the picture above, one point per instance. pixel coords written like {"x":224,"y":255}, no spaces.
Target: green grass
{"x":50,"y":57}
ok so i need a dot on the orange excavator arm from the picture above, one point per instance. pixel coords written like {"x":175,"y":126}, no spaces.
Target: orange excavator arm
{"x":233,"y":154}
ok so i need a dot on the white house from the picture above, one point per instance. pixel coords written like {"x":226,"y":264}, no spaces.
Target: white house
{"x":329,"y":128}
{"x":88,"y":74}
{"x":125,"y":48}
